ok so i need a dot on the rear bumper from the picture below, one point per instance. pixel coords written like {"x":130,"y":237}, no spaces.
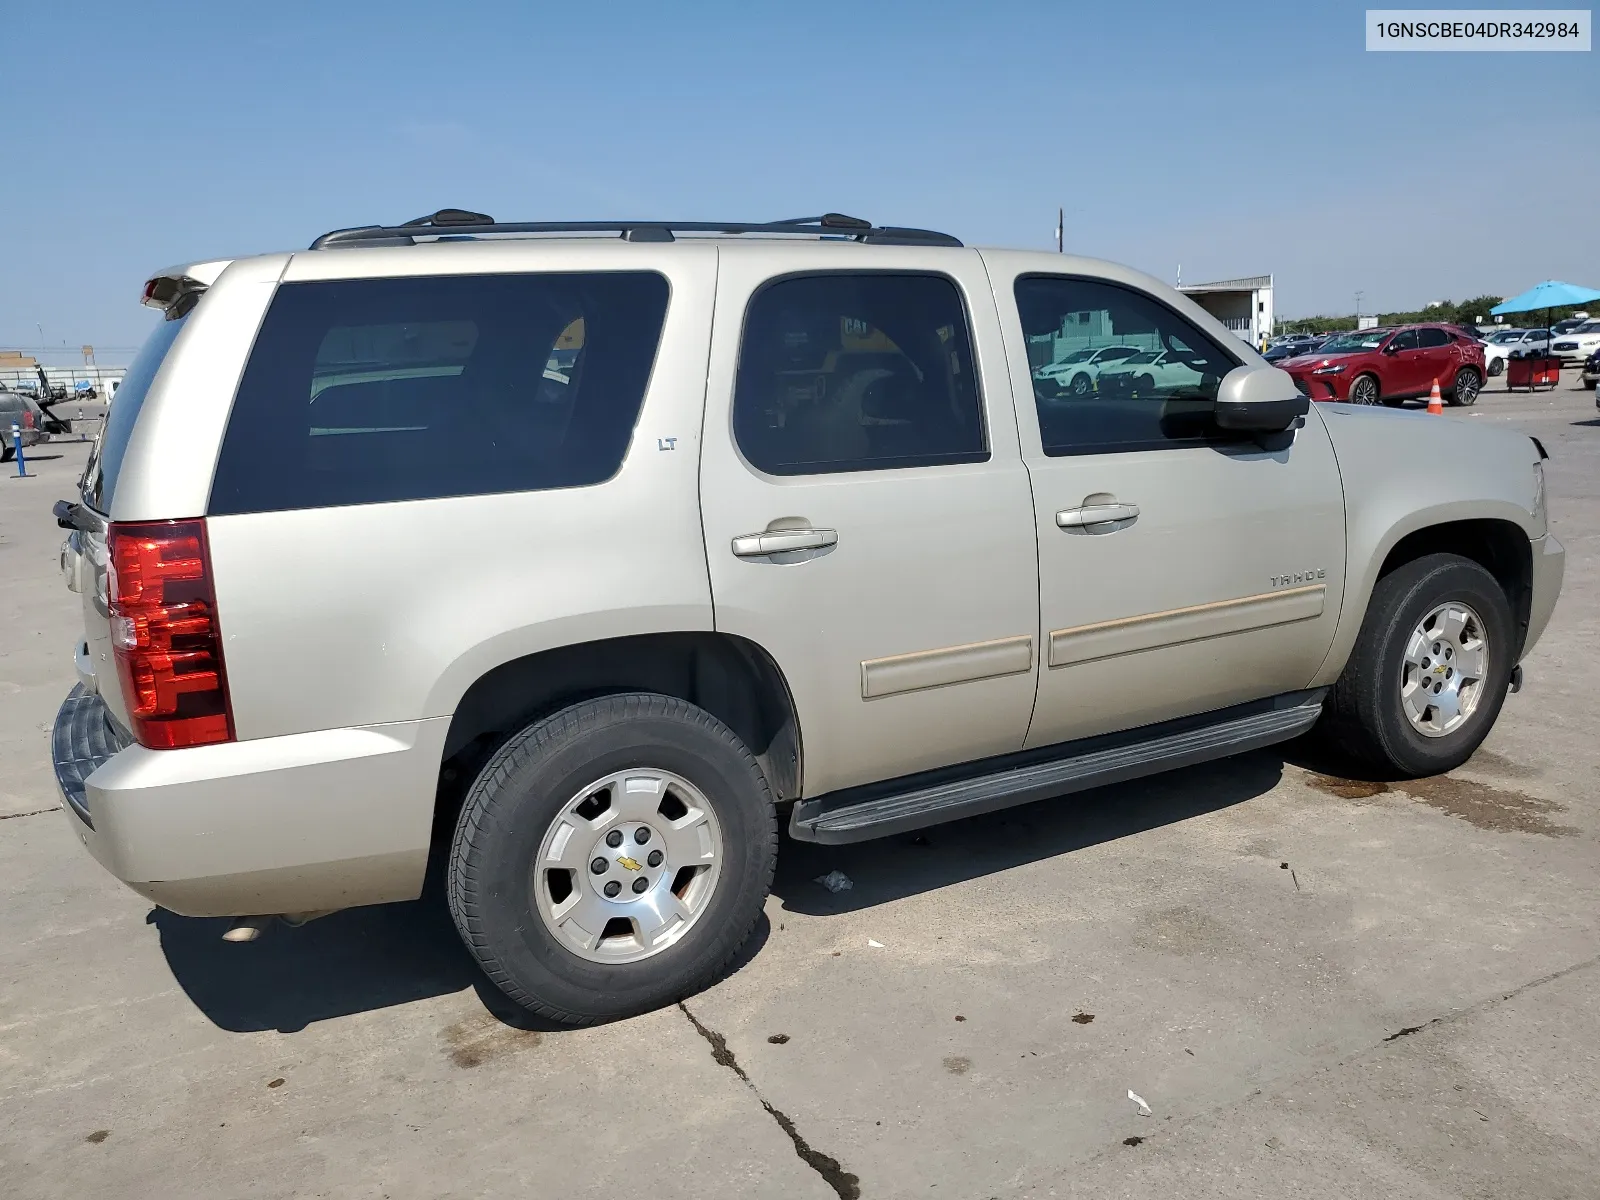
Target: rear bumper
{"x":322,"y":820}
{"x":1549,"y":566}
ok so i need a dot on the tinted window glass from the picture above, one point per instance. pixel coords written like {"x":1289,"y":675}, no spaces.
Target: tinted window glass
{"x":1406,"y":339}
{"x":1433,"y":337}
{"x":105,"y":463}
{"x":857,"y":373}
{"x":1158,"y":389}
{"x":371,"y":390}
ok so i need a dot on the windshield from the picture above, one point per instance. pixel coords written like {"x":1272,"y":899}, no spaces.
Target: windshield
{"x":1149,"y":356}
{"x":1588,"y":327}
{"x":1354,"y":343}
{"x":1078,"y":356}
{"x":1509,"y":335}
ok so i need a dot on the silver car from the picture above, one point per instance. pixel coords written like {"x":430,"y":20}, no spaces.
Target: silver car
{"x":584,"y":561}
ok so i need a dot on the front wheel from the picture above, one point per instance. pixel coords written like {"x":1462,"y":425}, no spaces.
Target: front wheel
{"x":1080,"y":384}
{"x":1496,"y":367}
{"x":612,"y":858}
{"x":1468,"y":384}
{"x":1364,"y":390}
{"x":1429,"y":670}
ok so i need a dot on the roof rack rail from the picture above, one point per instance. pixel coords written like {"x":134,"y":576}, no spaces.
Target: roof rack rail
{"x":455,"y":224}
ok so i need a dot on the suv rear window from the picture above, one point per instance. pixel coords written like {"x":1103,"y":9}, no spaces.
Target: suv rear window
{"x":373,"y":390}
{"x":105,"y":464}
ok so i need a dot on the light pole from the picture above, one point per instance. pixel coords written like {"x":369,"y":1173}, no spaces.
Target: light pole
{"x":1358,"y":307}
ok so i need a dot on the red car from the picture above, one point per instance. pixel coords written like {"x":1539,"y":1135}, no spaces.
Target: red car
{"x":1390,"y":366}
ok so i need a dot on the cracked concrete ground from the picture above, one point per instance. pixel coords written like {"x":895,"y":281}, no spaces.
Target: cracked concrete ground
{"x":1322,"y":988}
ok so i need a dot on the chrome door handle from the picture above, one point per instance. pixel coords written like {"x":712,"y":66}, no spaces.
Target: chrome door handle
{"x":783,"y":541}
{"x":1095,"y":514}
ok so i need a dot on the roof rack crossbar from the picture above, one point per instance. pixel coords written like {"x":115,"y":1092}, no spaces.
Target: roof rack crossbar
{"x":456,"y":224}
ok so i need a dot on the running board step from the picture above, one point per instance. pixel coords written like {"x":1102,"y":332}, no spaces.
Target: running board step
{"x":1078,"y":766}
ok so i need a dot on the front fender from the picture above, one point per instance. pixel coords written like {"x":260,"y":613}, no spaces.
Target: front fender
{"x":1405,"y":471}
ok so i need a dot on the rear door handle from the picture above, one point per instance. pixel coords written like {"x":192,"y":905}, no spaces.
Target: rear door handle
{"x":783,"y":541}
{"x":1095,"y":514}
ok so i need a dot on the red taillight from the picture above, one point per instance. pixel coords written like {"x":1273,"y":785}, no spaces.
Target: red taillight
{"x":164,"y":629}
{"x":27,"y":418}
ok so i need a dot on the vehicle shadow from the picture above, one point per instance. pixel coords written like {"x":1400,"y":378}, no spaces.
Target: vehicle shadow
{"x":377,"y":957}
{"x":352,"y":961}
{"x":906,"y":864}
{"x":358,"y":960}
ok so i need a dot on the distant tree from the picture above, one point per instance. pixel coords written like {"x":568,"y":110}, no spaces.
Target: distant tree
{"x":1476,"y":310}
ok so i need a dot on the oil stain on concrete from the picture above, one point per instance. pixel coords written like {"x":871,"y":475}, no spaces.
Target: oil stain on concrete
{"x":1498,"y":810}
{"x":1184,"y":931}
{"x":478,"y":1039}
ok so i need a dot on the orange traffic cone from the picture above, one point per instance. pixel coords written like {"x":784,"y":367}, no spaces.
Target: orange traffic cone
{"x":1436,"y":401}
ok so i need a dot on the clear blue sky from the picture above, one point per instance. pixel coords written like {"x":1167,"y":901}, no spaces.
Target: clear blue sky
{"x":1233,"y":138}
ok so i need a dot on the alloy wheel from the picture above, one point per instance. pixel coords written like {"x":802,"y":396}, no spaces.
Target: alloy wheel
{"x":628,"y":866}
{"x":1446,"y":663}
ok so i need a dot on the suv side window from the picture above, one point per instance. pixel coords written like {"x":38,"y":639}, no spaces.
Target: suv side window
{"x":1159,"y":391}
{"x":1429,"y":338}
{"x":364,"y":391}
{"x":1406,"y":339}
{"x":857,"y":372}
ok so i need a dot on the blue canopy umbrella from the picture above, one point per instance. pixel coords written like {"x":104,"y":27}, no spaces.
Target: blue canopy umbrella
{"x":1552,"y":293}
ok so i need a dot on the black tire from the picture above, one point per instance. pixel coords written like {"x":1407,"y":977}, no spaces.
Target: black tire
{"x":1464,"y":392}
{"x":519,"y":793}
{"x":1081,"y":384}
{"x":1497,"y":366}
{"x":1364,"y":720}
{"x":7,"y":452}
{"x":1365,"y":389}
{"x":1394,"y":401}
{"x":1589,"y":383}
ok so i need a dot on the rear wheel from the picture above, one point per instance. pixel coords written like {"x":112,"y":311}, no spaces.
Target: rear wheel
{"x":1364,"y":390}
{"x":1429,"y":670}
{"x":612,"y":858}
{"x":7,"y":452}
{"x":1468,"y":384}
{"x":1496,"y":367}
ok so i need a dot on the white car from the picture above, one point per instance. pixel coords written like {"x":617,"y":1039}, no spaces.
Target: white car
{"x":1161,"y":368}
{"x":1077,"y":372}
{"x":1578,"y":345}
{"x":1507,"y":342}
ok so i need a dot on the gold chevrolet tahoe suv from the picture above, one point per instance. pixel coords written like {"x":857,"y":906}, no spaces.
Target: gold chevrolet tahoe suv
{"x":577,"y":557}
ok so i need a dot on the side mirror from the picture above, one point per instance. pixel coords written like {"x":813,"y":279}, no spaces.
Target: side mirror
{"x":1391,"y":348}
{"x":1259,"y":399}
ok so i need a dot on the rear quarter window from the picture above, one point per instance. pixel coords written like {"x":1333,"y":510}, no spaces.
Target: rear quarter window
{"x":105,"y":464}
{"x":376,"y":390}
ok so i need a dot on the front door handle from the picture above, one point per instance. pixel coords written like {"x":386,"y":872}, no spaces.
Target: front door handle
{"x":783,"y":541}
{"x":1095,"y":514}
